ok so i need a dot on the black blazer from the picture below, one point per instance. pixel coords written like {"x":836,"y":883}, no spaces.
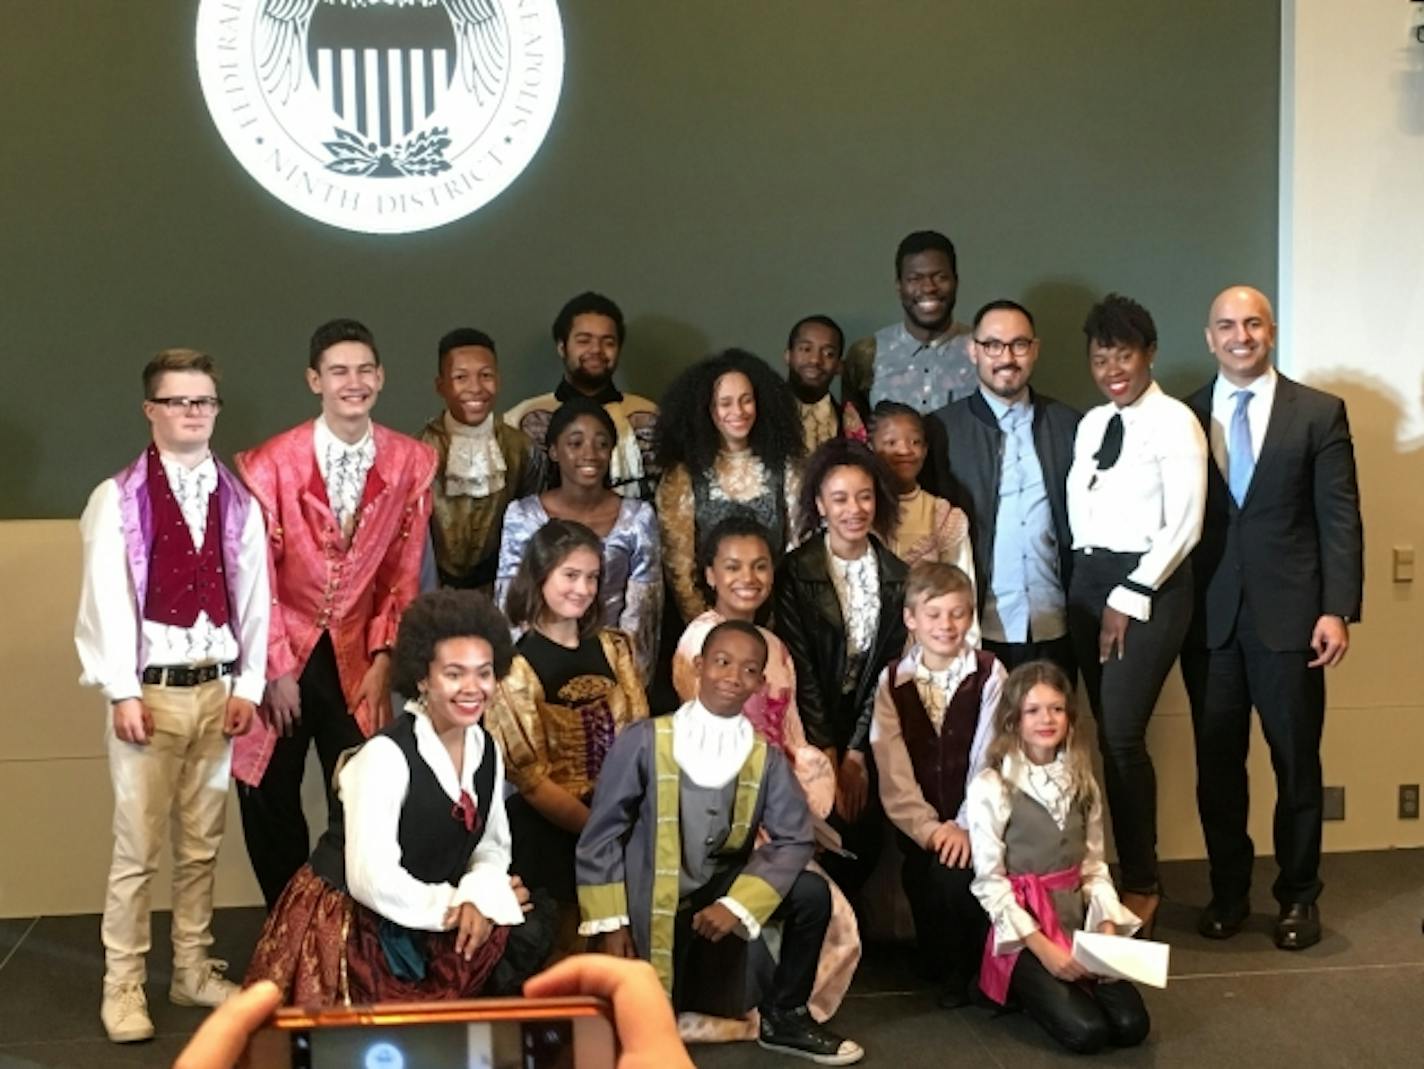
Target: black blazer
{"x":1294,"y":549}
{"x":966,"y":452}
{"x":809,"y":621}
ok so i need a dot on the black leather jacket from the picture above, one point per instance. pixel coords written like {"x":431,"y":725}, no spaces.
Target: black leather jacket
{"x":809,"y":621}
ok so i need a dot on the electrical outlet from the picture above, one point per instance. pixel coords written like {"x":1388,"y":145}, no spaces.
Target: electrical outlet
{"x":1409,"y":801}
{"x":1334,"y":808}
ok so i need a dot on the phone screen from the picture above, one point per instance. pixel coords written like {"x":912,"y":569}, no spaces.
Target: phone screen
{"x":448,"y":1045}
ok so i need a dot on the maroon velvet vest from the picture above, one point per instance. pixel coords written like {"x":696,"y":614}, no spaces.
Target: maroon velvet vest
{"x":182,"y":580}
{"x":941,"y":762}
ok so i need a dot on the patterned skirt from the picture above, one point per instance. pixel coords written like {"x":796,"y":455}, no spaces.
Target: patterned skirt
{"x":323,"y":948}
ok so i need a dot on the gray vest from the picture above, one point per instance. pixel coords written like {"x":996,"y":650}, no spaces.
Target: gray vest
{"x":705,"y":816}
{"x":1034,"y":843}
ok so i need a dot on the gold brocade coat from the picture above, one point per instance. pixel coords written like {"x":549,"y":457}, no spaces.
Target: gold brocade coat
{"x":466,"y":530}
{"x":566,"y":741}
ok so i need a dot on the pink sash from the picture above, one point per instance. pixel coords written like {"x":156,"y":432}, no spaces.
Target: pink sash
{"x":1032,"y":892}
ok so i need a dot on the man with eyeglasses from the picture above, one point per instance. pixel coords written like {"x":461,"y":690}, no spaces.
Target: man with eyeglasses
{"x":347,"y":502}
{"x":172,"y":626}
{"x":922,"y":361}
{"x":1002,"y":454}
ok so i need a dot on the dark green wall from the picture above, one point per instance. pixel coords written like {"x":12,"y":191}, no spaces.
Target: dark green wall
{"x":719,"y":168}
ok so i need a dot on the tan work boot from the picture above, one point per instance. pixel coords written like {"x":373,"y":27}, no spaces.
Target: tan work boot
{"x":125,"y":1013}
{"x":201,"y":985}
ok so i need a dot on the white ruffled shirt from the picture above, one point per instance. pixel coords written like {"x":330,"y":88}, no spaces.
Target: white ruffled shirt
{"x":373,"y":785}
{"x":989,"y":805}
{"x":857,"y":584}
{"x":475,"y":466}
{"x":344,"y":467}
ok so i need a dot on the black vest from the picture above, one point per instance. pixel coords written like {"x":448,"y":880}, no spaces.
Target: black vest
{"x":435,"y":847}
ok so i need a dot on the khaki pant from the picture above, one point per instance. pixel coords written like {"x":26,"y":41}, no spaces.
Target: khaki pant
{"x":181,"y":777}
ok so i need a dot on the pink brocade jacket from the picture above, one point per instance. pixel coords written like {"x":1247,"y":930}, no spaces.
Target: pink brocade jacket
{"x":354,"y":590}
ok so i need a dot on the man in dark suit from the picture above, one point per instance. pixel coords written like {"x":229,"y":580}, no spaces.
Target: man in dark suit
{"x":1002,"y":454}
{"x":1279,"y":576}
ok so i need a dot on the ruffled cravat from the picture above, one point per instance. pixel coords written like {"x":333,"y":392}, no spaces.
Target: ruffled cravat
{"x":710,"y":749}
{"x":937,"y":688}
{"x":475,"y":466}
{"x":345,"y":468}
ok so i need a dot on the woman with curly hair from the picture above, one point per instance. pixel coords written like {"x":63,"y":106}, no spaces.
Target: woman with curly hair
{"x":729,"y":439}
{"x":407,"y":896}
{"x":838,"y":610}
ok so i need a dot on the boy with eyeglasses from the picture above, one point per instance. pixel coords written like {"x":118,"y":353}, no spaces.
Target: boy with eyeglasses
{"x":172,"y":626}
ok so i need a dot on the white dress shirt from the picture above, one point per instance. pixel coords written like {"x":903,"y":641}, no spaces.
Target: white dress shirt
{"x":989,"y":805}
{"x":1258,"y":415}
{"x":373,"y":785}
{"x":115,"y":643}
{"x":1150,"y":502}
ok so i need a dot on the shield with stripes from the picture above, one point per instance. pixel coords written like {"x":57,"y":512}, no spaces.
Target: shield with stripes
{"x":385,"y":70}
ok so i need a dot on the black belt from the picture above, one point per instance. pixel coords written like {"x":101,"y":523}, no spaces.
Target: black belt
{"x":182,"y":676}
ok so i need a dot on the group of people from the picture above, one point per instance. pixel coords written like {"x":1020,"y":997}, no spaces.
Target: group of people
{"x":672,"y":673}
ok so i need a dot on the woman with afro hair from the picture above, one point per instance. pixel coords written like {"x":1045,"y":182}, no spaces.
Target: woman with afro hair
{"x":407,"y":896}
{"x":729,"y":440}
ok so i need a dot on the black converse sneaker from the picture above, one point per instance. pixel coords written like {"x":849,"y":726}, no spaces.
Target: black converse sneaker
{"x":796,"y":1032}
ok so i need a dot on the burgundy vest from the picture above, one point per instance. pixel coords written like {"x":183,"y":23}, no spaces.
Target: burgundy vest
{"x":941,"y":762}
{"x":182,"y":580}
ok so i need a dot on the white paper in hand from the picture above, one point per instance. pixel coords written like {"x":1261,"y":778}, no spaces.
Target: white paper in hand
{"x":1121,"y":958}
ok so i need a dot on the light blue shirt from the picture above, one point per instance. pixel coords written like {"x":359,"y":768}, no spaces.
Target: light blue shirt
{"x":1025,"y":601}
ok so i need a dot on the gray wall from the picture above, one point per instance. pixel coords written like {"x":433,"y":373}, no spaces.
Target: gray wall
{"x":720,"y":169}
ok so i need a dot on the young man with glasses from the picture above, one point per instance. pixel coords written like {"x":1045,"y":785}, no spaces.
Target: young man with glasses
{"x":347,"y":502}
{"x":1002,"y":454}
{"x":172,"y":625}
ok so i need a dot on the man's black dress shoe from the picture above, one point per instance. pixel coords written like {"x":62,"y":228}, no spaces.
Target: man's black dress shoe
{"x":1222,"y":921}
{"x":1298,"y":926}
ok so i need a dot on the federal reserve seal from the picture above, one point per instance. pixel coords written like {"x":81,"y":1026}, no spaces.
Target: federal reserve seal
{"x":383,"y":116}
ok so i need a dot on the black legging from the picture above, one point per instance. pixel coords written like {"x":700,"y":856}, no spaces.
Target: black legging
{"x":1123,"y":693}
{"x":1084,"y":1017}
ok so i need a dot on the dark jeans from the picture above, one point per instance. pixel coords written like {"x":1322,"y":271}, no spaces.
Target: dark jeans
{"x":804,"y":915}
{"x":1223,"y":685}
{"x":278,"y":842}
{"x":1082,"y":1017}
{"x":1123,"y":693}
{"x":950,"y":925}
{"x":1057,"y":650}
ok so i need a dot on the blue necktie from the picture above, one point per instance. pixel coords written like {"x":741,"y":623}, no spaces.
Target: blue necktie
{"x":1240,"y":461}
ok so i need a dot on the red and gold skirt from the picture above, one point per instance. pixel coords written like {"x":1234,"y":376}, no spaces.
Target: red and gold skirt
{"x":323,"y":948}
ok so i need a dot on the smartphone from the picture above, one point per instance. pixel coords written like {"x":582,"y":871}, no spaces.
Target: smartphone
{"x":497,"y":1033}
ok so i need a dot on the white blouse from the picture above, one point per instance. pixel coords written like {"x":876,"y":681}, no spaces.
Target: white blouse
{"x":1150,"y":502}
{"x":989,"y":805}
{"x":373,"y":785}
{"x":857,"y":584}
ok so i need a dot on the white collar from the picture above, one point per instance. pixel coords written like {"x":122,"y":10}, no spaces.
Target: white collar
{"x":205,"y":471}
{"x":708,"y":748}
{"x":480,"y":431}
{"x":324,"y":438}
{"x":1262,"y":385}
{"x":432,"y":751}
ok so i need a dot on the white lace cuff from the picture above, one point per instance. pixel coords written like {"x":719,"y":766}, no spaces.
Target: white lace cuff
{"x":603,"y":925}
